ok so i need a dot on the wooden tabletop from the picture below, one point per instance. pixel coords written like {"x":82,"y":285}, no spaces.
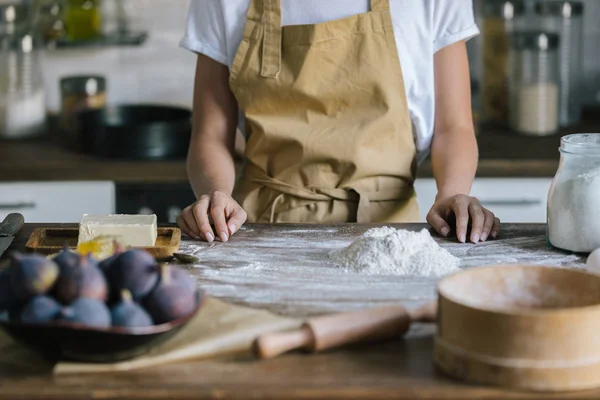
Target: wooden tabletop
{"x":284,"y":268}
{"x":502,"y":154}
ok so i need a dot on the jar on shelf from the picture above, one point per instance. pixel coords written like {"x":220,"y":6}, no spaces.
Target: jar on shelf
{"x":79,"y":93}
{"x":22,"y":99}
{"x":500,"y":19}
{"x":566,"y":19}
{"x":573,"y":200}
{"x":534,"y":83}
{"x":83,"y":20}
{"x":49,"y":20}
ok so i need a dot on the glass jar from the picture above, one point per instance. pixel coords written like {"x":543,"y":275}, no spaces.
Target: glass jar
{"x":500,"y":19}
{"x":22,"y":99}
{"x":534,"y":83}
{"x":50,"y":20}
{"x":83,"y":20}
{"x":566,"y":19}
{"x":574,"y":197}
{"x":80,"y":93}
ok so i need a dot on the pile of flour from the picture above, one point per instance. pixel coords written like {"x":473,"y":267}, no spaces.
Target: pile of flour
{"x":573,"y":213}
{"x":389,"y":251}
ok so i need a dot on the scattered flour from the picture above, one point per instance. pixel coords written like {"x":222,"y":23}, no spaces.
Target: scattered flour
{"x":389,"y":251}
{"x":573,"y":205}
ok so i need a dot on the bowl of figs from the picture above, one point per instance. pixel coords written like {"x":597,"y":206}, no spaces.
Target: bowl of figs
{"x":70,"y":306}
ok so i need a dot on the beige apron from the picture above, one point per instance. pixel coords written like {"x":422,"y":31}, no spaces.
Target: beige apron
{"x":329,"y":137}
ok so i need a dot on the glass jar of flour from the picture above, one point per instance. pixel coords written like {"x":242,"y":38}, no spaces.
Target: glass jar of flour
{"x":534,"y":83}
{"x":574,"y":197}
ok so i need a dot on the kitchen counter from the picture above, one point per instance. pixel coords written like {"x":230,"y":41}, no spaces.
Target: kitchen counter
{"x":502,"y":154}
{"x":284,"y":268}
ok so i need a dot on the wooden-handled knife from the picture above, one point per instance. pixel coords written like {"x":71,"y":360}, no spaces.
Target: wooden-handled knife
{"x":336,"y":330}
{"x":9,"y":228}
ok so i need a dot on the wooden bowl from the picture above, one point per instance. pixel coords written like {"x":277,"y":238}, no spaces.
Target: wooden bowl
{"x":523,"y":327}
{"x":81,"y":343}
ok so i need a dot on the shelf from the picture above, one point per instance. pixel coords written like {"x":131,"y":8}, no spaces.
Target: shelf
{"x":115,"y":39}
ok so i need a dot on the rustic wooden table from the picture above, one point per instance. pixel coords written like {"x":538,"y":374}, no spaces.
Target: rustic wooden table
{"x":285,"y":268}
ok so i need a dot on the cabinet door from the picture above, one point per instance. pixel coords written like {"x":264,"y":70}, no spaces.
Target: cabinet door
{"x":55,"y":202}
{"x":511,"y":199}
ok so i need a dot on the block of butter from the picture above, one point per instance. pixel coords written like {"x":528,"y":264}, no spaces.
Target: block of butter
{"x":133,"y":230}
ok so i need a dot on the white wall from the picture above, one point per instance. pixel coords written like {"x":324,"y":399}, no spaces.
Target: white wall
{"x":159,"y":71}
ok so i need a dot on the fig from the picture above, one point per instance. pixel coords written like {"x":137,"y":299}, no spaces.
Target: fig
{"x":31,"y":275}
{"x":172,"y":298}
{"x":86,"y":311}
{"x":106,"y":264}
{"x":135,"y":270}
{"x":128,"y":314}
{"x":181,"y":277}
{"x":66,"y":258}
{"x":40,"y":309}
{"x":80,"y":278}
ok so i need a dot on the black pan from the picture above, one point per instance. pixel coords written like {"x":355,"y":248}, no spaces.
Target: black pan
{"x":137,"y":132}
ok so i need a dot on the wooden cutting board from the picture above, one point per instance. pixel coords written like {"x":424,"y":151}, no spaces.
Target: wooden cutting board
{"x":52,"y":240}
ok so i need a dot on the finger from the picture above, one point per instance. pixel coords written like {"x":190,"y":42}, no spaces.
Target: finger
{"x":438,"y":223}
{"x":461,"y":212}
{"x":200,"y":210}
{"x":217,"y":211}
{"x":237,"y":218}
{"x":488,"y":225}
{"x":185,"y":227}
{"x":477,"y":220}
{"x":188,"y":216}
{"x":496,"y":228}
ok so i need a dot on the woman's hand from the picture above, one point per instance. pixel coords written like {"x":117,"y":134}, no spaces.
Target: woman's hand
{"x":461,"y":210}
{"x":225,"y":213}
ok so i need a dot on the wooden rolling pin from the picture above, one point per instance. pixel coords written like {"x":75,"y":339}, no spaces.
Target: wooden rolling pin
{"x":336,"y":330}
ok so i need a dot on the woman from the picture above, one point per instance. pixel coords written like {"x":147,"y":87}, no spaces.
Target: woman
{"x":340,"y":101}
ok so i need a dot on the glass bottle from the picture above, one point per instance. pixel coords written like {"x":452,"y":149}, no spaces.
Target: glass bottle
{"x":566,"y":19}
{"x":500,"y":18}
{"x":573,"y":199}
{"x":83,"y":20}
{"x":22,"y":99}
{"x":534,"y":83}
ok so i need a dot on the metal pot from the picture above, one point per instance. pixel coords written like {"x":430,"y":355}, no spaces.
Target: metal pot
{"x":142,"y":132}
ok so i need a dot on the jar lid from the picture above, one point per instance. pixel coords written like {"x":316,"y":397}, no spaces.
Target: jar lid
{"x":507,"y":9}
{"x":87,"y":85}
{"x":580,"y":143}
{"x":535,"y":40}
{"x":12,"y":15}
{"x":565,"y":9}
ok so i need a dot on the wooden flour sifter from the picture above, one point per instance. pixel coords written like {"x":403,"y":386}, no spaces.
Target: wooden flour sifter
{"x":525,"y":327}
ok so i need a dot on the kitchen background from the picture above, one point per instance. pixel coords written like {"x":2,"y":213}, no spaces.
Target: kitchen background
{"x":74,"y":169}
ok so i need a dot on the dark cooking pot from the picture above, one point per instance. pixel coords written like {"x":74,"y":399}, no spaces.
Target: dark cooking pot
{"x":135,"y":132}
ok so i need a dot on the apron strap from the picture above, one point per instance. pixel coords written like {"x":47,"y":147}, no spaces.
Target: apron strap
{"x":271,"y":54}
{"x":380,"y":5}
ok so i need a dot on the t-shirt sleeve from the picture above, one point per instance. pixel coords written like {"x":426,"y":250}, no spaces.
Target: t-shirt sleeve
{"x":205,"y":30}
{"x":453,"y":21}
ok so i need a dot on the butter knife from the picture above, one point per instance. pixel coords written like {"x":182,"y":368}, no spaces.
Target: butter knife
{"x":9,"y":228}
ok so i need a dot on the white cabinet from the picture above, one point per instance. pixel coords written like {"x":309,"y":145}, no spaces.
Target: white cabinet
{"x":49,"y":202}
{"x":511,"y":199}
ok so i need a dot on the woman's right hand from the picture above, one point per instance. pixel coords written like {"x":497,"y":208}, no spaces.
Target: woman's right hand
{"x":226,"y":214}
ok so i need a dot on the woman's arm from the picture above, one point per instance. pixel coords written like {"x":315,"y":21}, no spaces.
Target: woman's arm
{"x":454,"y":152}
{"x":210,"y":163}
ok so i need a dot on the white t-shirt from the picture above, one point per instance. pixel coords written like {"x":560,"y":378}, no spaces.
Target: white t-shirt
{"x":421,"y":27}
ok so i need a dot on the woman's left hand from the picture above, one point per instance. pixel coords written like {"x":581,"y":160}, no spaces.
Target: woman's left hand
{"x":462,"y":210}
